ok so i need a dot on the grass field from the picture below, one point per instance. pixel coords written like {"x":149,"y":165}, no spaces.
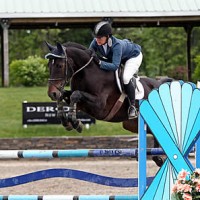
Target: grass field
{"x":11,"y":117}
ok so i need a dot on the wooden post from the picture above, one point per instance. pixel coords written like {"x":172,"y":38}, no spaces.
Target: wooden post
{"x":5,"y":50}
{"x":188,"y":30}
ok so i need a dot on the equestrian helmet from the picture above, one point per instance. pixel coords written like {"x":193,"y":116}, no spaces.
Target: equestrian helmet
{"x":103,"y":28}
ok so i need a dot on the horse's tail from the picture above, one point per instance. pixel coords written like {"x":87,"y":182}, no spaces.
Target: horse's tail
{"x":164,"y":80}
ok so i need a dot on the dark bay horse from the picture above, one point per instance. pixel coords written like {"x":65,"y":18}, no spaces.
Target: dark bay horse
{"x":93,"y":90}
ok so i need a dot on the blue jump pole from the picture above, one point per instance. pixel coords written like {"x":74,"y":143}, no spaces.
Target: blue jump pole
{"x":68,"y":197}
{"x":7,"y":154}
{"x":197,"y":153}
{"x":142,"y":144}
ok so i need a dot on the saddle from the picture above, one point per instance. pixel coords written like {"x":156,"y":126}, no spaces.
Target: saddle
{"x":139,"y":91}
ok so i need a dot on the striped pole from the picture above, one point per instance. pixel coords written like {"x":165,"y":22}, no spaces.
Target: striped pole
{"x":68,"y":197}
{"x":8,"y":154}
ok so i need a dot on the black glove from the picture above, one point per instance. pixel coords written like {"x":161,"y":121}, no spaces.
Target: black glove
{"x":95,"y":57}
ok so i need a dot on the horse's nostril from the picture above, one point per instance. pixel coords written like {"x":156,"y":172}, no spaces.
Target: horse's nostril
{"x":53,"y":95}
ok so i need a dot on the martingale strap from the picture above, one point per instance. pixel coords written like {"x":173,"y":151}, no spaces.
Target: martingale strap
{"x":116,"y":107}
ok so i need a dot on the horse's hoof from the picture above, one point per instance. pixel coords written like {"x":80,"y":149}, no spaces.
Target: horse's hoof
{"x":67,"y":125}
{"x":79,"y":127}
{"x":68,"y":128}
{"x":158,"y":160}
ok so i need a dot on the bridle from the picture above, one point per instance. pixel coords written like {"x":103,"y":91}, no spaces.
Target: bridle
{"x":65,"y":80}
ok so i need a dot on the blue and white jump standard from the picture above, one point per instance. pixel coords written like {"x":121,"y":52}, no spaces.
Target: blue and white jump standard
{"x":172,"y":112}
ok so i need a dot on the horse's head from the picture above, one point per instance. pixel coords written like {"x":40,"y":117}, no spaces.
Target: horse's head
{"x":65,"y":61}
{"x":58,"y":70}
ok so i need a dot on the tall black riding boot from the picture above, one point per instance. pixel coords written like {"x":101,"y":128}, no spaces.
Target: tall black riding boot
{"x":130,"y":91}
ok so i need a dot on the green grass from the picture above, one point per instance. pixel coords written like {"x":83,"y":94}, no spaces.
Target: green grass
{"x":11,"y":117}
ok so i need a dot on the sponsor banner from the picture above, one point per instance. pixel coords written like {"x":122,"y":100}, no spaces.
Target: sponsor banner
{"x":46,"y":113}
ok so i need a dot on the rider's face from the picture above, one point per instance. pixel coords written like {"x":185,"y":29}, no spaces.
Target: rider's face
{"x":101,"y":40}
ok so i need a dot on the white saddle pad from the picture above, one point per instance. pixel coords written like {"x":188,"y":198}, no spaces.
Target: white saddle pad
{"x":139,"y":91}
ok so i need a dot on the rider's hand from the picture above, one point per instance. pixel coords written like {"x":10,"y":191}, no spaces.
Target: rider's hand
{"x":95,"y":57}
{"x":96,"y":60}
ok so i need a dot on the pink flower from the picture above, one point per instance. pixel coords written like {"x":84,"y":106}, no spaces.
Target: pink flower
{"x":187,"y":188}
{"x":197,"y":170}
{"x":187,"y":185}
{"x":195,"y":180}
{"x":182,"y":174}
{"x":187,"y":196}
{"x":180,"y":187}
{"x":197,"y":188}
{"x":183,"y":188}
{"x":174,"y":188}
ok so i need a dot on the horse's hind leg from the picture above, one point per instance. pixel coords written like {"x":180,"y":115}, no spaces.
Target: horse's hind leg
{"x":157,"y":159}
{"x":132,"y":125}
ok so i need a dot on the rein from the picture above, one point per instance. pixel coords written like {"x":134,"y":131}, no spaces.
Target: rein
{"x":76,"y":72}
{"x":83,"y":66}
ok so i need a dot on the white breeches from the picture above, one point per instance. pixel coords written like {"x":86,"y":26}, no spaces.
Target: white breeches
{"x":131,"y":67}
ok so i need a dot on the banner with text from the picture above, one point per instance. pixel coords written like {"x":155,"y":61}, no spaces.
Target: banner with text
{"x":46,"y":113}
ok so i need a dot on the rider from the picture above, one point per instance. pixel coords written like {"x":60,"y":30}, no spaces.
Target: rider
{"x":116,"y":51}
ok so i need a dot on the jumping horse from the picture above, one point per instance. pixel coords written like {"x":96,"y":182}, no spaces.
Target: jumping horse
{"x":92,"y":90}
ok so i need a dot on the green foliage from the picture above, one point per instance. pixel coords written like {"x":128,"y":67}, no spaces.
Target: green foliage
{"x":196,"y":74}
{"x":164,"y":48}
{"x":30,"y":72}
{"x":82,"y":36}
{"x":24,"y":43}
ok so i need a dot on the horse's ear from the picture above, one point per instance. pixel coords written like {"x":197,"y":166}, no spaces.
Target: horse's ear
{"x":50,"y":47}
{"x":60,"y":48}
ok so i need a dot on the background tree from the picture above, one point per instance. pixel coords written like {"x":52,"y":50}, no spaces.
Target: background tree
{"x":196,"y":74}
{"x":164,"y":48}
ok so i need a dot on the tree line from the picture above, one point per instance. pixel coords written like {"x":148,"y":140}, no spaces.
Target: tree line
{"x":164,"y":48}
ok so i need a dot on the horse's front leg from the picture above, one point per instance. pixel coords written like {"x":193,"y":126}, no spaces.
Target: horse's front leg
{"x":61,"y":114}
{"x":89,"y":101}
{"x":75,"y":97}
{"x":94,"y":105}
{"x":66,"y":96}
